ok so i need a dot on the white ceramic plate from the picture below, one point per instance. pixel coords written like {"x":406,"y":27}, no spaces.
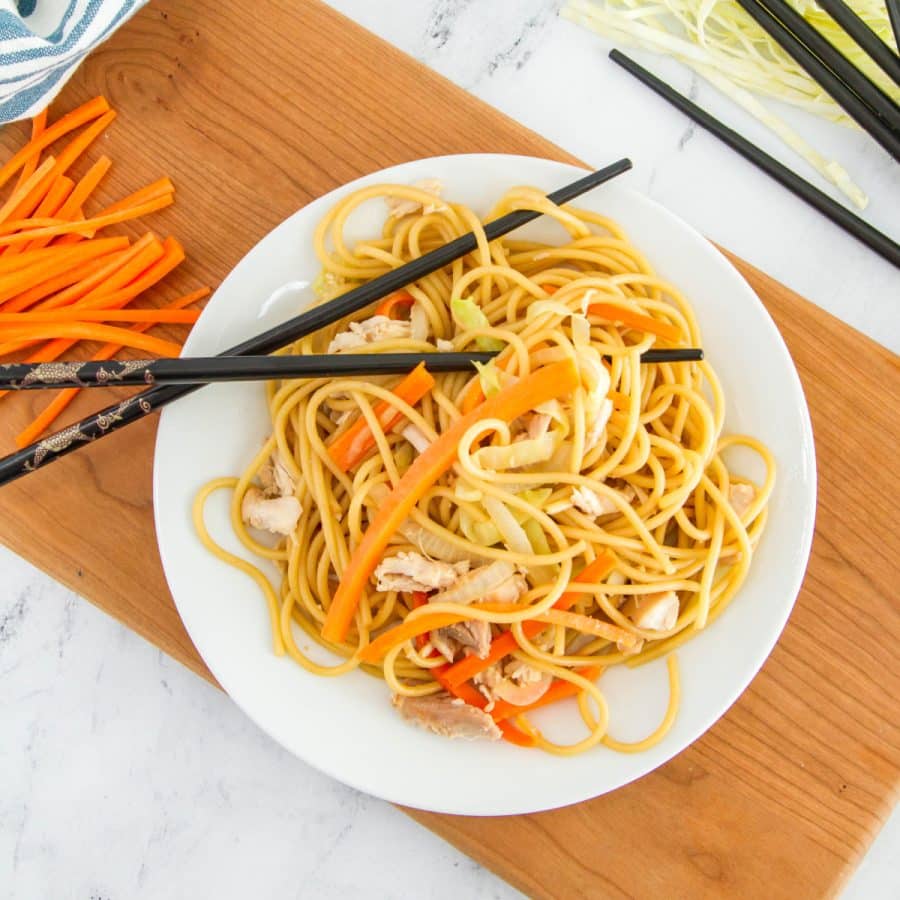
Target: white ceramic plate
{"x":346,"y":726}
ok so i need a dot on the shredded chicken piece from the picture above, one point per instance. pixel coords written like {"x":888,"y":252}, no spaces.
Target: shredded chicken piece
{"x":472,"y":633}
{"x":444,"y":346}
{"x":496,"y":582}
{"x":400,"y":206}
{"x":447,"y":716}
{"x":653,"y":612}
{"x":741,"y":497}
{"x":278,"y":515}
{"x":275,"y":478}
{"x":416,"y":437}
{"x":593,"y":504}
{"x":414,"y":572}
{"x":375,"y":328}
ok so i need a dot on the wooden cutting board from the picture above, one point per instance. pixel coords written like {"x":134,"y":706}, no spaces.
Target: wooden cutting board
{"x":253,"y":116}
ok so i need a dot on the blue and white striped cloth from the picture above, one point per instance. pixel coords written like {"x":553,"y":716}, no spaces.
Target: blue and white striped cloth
{"x":43,"y":41}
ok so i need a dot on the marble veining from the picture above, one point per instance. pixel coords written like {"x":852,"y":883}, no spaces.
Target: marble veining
{"x":122,"y":775}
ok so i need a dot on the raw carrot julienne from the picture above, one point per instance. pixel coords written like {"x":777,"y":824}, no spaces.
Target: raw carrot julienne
{"x":351,"y":446}
{"x":559,"y":690}
{"x":69,"y":122}
{"x":89,"y":331}
{"x":98,"y":280}
{"x":638,"y":321}
{"x":546,"y":383}
{"x":16,"y":283}
{"x":69,"y":281}
{"x":24,"y":201}
{"x":12,"y":234}
{"x":22,"y":260}
{"x":50,"y":206}
{"x":52,"y":412}
{"x":70,"y":153}
{"x":71,"y":209}
{"x":405,"y":631}
{"x":38,"y":124}
{"x":506,"y":643}
{"x":173,"y":254}
{"x":161,"y":188}
{"x":153,"y":316}
{"x":401,"y":299}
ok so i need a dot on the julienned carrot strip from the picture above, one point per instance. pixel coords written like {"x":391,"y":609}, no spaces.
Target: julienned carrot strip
{"x":559,"y":690}
{"x":399,"y":299}
{"x":38,"y":124}
{"x":506,"y":643}
{"x":152,"y":316}
{"x":72,"y":120}
{"x":144,"y":253}
{"x":638,"y":321}
{"x":546,"y":383}
{"x":81,"y":142}
{"x":161,"y":188}
{"x":71,"y":209}
{"x":17,"y":282}
{"x":24,"y":201}
{"x":49,"y":415}
{"x":21,"y":260}
{"x":55,"y":198}
{"x":351,"y":446}
{"x":68,"y":281}
{"x":173,"y":254}
{"x":90,"y":331}
{"x":12,"y":234}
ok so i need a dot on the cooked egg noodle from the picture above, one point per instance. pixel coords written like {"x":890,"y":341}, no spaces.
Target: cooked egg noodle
{"x":658,"y":460}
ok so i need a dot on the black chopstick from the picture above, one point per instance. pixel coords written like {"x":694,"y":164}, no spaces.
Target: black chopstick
{"x":215,"y":369}
{"x":876,"y":48}
{"x":838,"y":214}
{"x":218,"y":369}
{"x":893,"y":8}
{"x":841,"y":67}
{"x":112,"y":418}
{"x":877,"y":128}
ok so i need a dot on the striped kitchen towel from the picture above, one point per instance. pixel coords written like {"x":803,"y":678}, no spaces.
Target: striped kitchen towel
{"x":43,"y":41}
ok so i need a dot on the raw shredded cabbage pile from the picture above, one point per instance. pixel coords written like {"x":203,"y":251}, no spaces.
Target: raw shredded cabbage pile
{"x":720,"y":41}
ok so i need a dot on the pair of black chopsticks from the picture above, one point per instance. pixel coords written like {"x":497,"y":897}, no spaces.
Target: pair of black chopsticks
{"x":840,"y":215}
{"x":255,"y":349}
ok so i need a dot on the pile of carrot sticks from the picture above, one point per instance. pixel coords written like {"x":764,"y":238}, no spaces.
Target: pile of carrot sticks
{"x":63,"y":278}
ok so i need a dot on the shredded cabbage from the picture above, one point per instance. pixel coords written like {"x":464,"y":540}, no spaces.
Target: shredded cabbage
{"x":511,"y":531}
{"x":517,"y":454}
{"x":488,"y":377}
{"x":723,"y":44}
{"x":470,"y":317}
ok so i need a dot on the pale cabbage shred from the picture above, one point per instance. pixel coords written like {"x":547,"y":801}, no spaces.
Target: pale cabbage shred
{"x":720,"y":42}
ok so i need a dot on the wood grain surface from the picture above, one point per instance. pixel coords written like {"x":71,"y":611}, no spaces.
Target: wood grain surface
{"x":785,"y":793}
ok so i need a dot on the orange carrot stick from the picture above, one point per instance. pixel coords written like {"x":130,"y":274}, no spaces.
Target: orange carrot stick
{"x":90,"y":331}
{"x":38,"y":124}
{"x":49,"y":415}
{"x":17,"y":282}
{"x":11,"y":233}
{"x":25,"y":200}
{"x":153,"y":316}
{"x":68,"y":281}
{"x":397,"y":300}
{"x":351,"y":446}
{"x":173,"y":255}
{"x":543,"y":384}
{"x":506,"y":643}
{"x":638,"y":321}
{"x":77,"y":117}
{"x":71,"y":209}
{"x":161,"y":188}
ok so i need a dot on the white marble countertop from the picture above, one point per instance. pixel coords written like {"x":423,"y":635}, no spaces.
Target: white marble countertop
{"x":124,"y":775}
